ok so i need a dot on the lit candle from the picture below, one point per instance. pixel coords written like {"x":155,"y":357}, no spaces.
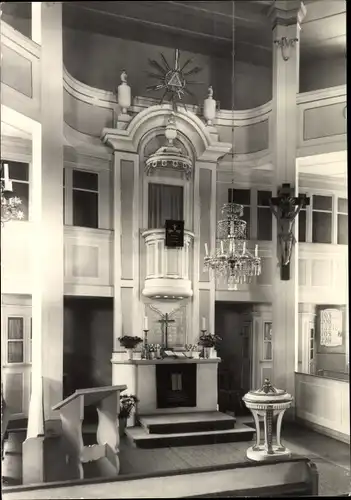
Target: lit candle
{"x":244,"y":247}
{"x":203,"y":324}
{"x":256,"y":250}
{"x":6,"y":173}
{"x":7,"y":182}
{"x":206,"y":249}
{"x":222,"y":248}
{"x":146,"y":323}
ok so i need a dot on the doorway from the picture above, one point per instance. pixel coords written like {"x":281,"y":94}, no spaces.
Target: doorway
{"x":233,"y":323}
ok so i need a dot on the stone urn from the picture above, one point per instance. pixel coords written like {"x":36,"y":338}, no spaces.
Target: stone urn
{"x":268,"y":402}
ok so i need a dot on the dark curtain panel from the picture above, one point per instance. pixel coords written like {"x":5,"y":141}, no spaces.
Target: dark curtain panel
{"x":165,"y":202}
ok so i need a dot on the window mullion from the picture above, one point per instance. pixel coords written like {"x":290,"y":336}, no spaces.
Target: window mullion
{"x":69,"y":196}
{"x":334,"y":239}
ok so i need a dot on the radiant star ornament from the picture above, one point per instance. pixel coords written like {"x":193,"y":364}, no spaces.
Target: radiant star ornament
{"x":173,"y":81}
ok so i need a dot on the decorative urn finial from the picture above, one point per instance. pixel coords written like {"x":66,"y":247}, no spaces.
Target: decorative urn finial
{"x":124,"y":93}
{"x":171,"y":129}
{"x":209,"y":107}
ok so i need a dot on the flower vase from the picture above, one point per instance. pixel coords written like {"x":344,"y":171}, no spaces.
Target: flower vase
{"x":151,"y":355}
{"x":130,"y":354}
{"x":196,"y":354}
{"x":207,"y":352}
{"x":213,"y":353}
{"x":158,"y":353}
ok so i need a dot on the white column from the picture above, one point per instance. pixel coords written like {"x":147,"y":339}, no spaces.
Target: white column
{"x":117,"y":259}
{"x":47,"y":247}
{"x":285,"y":16}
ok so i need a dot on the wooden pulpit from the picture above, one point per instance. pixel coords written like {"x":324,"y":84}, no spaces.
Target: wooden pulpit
{"x":104,"y":454}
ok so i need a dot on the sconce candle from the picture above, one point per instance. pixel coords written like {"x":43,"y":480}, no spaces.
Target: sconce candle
{"x":256,"y":250}
{"x":203,"y":324}
{"x":222,"y":248}
{"x":206,"y":249}
{"x":146,"y":323}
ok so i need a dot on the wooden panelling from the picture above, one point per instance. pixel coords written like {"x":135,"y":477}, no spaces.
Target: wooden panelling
{"x":324,"y":402}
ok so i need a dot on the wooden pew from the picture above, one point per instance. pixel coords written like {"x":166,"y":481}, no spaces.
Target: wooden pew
{"x":289,"y":477}
{"x":104,"y":454}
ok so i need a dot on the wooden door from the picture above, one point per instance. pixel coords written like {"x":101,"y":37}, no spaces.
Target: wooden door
{"x":262,"y":349}
{"x":246,"y":356}
{"x":16,"y":359}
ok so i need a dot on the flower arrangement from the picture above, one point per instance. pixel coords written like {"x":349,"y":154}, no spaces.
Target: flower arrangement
{"x":209,"y":340}
{"x":127,"y":403}
{"x":152,"y":347}
{"x":129,"y":342}
{"x":190,"y":347}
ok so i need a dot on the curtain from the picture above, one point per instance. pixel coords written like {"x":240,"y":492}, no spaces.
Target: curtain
{"x":165,"y":202}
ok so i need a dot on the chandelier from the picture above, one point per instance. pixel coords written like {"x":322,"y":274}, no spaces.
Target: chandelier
{"x":231,"y":258}
{"x":10,"y":204}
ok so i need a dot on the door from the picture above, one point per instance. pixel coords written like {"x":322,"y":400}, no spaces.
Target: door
{"x":16,"y":359}
{"x":262,"y":350}
{"x":246,"y":354}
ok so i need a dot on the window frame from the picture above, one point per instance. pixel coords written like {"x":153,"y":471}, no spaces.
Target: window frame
{"x":103,"y":205}
{"x":24,"y":312}
{"x":264,"y":207}
{"x":10,"y":158}
{"x":265,"y":342}
{"x":337,"y":217}
{"x":249,"y":236}
{"x":331,"y":195}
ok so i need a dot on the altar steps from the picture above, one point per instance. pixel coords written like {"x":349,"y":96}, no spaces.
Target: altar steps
{"x":187,"y":429}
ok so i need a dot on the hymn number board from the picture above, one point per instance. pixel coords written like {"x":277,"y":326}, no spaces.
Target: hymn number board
{"x":174,"y":237}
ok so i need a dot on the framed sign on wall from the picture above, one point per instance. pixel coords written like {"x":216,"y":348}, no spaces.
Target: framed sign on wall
{"x":331,"y":325}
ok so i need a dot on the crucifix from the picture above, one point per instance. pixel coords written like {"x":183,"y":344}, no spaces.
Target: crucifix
{"x":286,"y":207}
{"x":164,"y":327}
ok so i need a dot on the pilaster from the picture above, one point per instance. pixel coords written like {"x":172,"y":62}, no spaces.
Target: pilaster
{"x":48,"y":248}
{"x":285,"y":17}
{"x":205,"y":190}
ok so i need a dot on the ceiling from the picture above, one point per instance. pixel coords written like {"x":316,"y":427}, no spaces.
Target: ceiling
{"x":206,"y":26}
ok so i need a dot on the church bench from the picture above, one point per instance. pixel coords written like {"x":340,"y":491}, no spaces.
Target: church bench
{"x":295,"y":476}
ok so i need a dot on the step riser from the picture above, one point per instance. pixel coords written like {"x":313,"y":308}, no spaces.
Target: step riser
{"x":193,"y":440}
{"x":189,"y":427}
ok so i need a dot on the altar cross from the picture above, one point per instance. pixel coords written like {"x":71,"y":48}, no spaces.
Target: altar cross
{"x":164,"y":327}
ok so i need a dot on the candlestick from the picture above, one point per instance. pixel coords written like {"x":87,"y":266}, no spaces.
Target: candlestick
{"x":144,"y":353}
{"x":8,"y":186}
{"x":203,"y":324}
{"x":6,"y":173}
{"x":206,"y":249}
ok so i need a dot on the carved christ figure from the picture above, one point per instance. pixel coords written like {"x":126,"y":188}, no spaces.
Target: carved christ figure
{"x":285,"y":213}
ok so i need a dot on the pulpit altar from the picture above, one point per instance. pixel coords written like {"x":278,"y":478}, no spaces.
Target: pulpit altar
{"x":104,"y":454}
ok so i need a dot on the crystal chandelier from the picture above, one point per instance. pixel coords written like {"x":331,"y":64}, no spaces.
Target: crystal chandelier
{"x":10,"y":204}
{"x":231,"y":259}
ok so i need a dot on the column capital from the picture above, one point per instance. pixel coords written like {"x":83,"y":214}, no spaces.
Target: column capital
{"x":287,"y":12}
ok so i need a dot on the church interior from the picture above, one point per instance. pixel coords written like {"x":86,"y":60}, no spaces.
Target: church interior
{"x":174,"y":249}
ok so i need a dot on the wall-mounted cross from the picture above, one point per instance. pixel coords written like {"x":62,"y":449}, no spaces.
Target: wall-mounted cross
{"x":164,"y":327}
{"x":286,"y":207}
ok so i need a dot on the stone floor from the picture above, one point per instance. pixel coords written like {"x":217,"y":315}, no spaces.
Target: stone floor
{"x":331,"y":457}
